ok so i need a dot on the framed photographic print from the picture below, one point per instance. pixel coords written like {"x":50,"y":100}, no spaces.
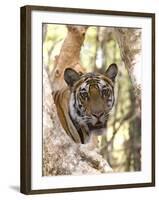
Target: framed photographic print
{"x":87,"y":99}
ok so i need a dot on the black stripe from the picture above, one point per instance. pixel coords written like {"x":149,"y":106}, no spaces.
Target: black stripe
{"x":81,"y":136}
{"x":79,"y":130}
{"x":74,"y":95}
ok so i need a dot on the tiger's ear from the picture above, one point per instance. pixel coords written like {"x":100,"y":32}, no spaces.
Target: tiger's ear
{"x":71,"y":76}
{"x":112,"y":71}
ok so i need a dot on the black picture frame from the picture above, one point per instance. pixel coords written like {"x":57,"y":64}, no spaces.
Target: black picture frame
{"x":26,"y":82}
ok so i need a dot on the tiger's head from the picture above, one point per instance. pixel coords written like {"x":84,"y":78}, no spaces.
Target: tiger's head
{"x":91,"y":98}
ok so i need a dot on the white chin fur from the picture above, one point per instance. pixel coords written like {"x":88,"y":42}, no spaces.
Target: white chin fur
{"x":101,"y":131}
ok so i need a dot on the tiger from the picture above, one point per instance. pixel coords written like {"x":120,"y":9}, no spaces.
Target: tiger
{"x":84,"y":105}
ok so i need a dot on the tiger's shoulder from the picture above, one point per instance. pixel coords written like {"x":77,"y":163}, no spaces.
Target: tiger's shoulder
{"x":61,"y":100}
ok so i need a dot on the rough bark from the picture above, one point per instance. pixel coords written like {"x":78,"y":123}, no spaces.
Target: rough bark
{"x":129,"y":41}
{"x":61,"y":156}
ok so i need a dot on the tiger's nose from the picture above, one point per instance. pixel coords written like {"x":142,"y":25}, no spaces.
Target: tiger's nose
{"x":98,"y":114}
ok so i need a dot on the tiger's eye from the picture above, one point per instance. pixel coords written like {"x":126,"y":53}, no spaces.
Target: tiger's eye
{"x":106,"y":92}
{"x":84,"y":95}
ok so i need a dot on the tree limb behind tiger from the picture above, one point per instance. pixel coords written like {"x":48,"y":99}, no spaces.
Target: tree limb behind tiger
{"x":69,"y":56}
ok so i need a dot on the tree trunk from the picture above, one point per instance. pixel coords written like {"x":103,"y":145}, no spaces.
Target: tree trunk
{"x":129,"y":41}
{"x":61,"y":156}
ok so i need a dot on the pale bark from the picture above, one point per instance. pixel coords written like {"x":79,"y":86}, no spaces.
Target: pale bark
{"x":129,"y":41}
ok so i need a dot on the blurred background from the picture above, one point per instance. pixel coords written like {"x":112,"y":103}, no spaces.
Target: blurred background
{"x":121,"y":145}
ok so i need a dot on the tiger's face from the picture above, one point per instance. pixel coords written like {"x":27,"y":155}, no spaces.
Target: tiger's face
{"x":92,"y":98}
